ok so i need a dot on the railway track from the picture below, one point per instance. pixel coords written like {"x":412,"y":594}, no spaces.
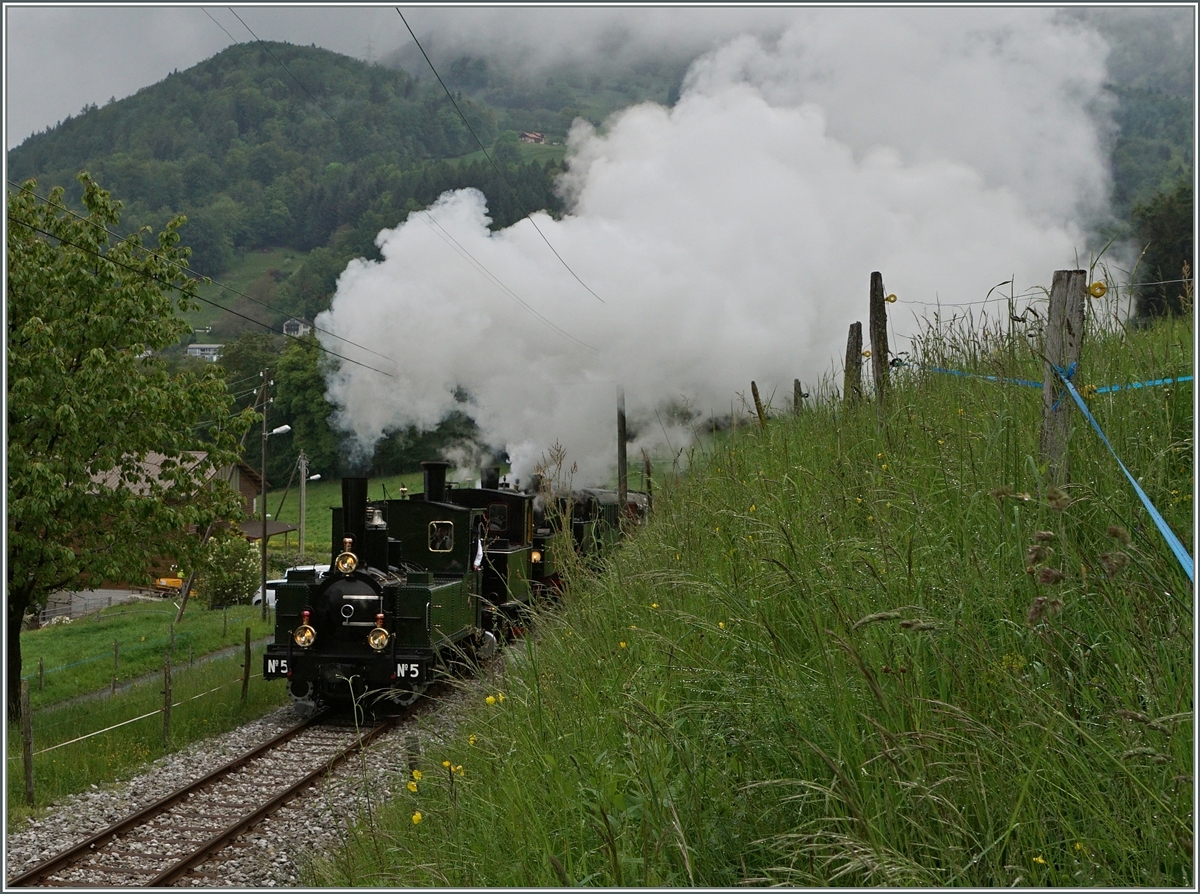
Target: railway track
{"x":170,"y":840}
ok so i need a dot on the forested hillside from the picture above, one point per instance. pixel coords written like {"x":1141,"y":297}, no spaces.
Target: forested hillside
{"x":274,"y":144}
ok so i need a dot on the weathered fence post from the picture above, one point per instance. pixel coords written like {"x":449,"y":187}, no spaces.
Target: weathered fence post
{"x":1064,"y":339}
{"x":622,"y":457}
{"x":647,"y":474}
{"x":41,"y":675}
{"x":172,"y":646}
{"x":852,"y":388}
{"x":758,"y":406}
{"x":797,"y":397}
{"x":879,"y":338}
{"x":246,"y":668}
{"x":27,"y":741}
{"x":166,"y":699}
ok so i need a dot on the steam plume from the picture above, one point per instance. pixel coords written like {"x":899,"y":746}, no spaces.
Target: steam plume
{"x":732,"y":237}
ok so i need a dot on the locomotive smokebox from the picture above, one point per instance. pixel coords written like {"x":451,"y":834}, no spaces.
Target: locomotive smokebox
{"x":435,"y":480}
{"x":489,"y":477}
{"x":354,"y":508}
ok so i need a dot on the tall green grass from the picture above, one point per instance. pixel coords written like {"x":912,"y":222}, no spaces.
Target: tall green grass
{"x":865,"y":646}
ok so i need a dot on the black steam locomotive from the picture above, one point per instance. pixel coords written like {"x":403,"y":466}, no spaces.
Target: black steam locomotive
{"x":416,"y":583}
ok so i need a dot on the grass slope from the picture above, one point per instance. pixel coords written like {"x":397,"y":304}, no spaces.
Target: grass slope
{"x":864,"y":646}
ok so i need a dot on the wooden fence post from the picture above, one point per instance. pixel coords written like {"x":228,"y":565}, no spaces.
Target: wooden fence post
{"x":647,"y":474}
{"x":41,"y":675}
{"x":852,"y":388}
{"x":172,"y":646}
{"x":758,"y":406}
{"x":116,"y":659}
{"x":622,"y":457}
{"x":1064,"y":339}
{"x":879,"y":338}
{"x":27,"y":741}
{"x":246,"y":668}
{"x":166,"y":699}
{"x":797,"y":397}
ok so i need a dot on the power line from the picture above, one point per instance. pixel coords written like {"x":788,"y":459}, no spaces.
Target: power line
{"x":280,"y":61}
{"x":219,"y":25}
{"x":198,"y":277}
{"x":486,"y":155}
{"x":444,"y":235}
{"x":461,"y":249}
{"x":172,"y":285}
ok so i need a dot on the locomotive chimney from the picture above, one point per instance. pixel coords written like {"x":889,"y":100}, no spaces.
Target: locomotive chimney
{"x":354,"y":508}
{"x":489,"y":477}
{"x":435,"y":480}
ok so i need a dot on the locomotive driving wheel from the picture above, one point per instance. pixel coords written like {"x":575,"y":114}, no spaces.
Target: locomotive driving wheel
{"x":402,"y":698}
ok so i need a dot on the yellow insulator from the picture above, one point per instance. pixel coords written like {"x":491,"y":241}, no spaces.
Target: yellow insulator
{"x":866,"y":353}
{"x":1097,"y":289}
{"x":891,"y":299}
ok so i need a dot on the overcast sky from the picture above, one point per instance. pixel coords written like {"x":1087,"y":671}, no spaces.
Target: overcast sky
{"x":61,"y":58}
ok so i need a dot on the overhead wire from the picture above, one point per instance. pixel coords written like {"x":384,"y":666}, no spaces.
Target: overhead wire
{"x":172,"y":285}
{"x":486,"y":155}
{"x":199,"y":277}
{"x":461,"y":249}
{"x":457,"y":246}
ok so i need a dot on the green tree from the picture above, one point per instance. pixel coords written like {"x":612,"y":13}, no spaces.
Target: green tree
{"x":1164,"y":229}
{"x":300,"y":384}
{"x":111,"y":459}
{"x":228,"y":571}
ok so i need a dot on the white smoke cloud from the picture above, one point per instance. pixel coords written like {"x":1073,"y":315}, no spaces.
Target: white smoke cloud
{"x":732,"y":237}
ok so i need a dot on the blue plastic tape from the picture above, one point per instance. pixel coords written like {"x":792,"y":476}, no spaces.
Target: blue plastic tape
{"x":1172,"y":541}
{"x":958,"y":372}
{"x":1151,"y":384}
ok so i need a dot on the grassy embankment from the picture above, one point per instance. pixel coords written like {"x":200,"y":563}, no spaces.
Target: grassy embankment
{"x":841,"y":653}
{"x":78,"y":661}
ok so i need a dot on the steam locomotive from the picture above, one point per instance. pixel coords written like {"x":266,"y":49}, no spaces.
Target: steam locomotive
{"x":416,"y":584}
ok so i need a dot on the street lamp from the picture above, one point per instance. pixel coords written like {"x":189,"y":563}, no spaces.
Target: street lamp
{"x":282,"y":430}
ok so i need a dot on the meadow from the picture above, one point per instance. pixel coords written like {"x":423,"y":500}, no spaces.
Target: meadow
{"x":862,"y":645}
{"x":78,"y":698}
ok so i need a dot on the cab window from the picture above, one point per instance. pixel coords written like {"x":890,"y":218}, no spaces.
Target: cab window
{"x":497,"y":518}
{"x":441,"y":536}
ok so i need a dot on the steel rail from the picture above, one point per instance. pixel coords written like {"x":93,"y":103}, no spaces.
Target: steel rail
{"x":139,"y":817}
{"x":218,"y":842}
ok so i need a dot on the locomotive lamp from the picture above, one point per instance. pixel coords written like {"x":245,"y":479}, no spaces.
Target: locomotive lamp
{"x":346,"y":561}
{"x":536,"y":556}
{"x":304,"y":635}
{"x":377,"y":639}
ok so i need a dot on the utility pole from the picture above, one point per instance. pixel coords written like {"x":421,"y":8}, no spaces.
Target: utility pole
{"x":283,"y":429}
{"x":303,"y":498}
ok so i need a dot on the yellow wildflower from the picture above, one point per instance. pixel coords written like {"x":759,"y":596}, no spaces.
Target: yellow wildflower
{"x":654,"y":605}
{"x":884,"y":467}
{"x":721,"y":624}
{"x":622,"y":644}
{"x":491,"y":699}
{"x":870,"y":518}
{"x":499,"y":696}
{"x":472,"y":739}
{"x":416,"y":817}
{"x":446,"y":764}
{"x":1040,"y":859}
{"x":417,"y":775}
{"x":412,"y":786}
